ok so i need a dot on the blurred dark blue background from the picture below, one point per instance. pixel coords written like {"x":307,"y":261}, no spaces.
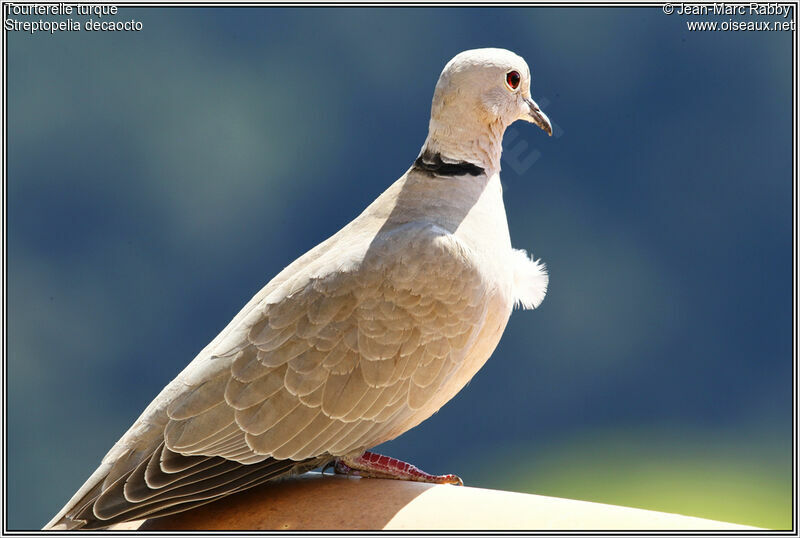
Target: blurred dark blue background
{"x":157,"y":179}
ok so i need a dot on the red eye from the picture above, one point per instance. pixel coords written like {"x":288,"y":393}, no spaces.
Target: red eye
{"x":512,"y":79}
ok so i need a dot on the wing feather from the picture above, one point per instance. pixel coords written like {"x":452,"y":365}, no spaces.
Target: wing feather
{"x":295,"y":447}
{"x":260,"y":418}
{"x":309,"y":361}
{"x":156,"y":476}
{"x":378,"y":373}
{"x":285,"y":429}
{"x":181,"y":434}
{"x":246,"y":367}
{"x":343,"y":392}
{"x":303,"y":384}
{"x":200,"y":398}
{"x":320,"y":442}
{"x":267,"y":338}
{"x":241,"y":395}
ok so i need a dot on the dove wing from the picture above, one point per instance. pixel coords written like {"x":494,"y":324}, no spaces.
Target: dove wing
{"x":345,"y":354}
{"x":333,"y":363}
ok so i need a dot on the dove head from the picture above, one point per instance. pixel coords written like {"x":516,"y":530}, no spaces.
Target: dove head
{"x":479,"y":93}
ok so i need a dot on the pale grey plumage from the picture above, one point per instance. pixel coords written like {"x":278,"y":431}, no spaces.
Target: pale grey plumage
{"x":358,"y":340}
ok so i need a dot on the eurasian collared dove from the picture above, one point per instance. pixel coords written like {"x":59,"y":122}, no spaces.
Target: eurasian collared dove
{"x":357,"y":341}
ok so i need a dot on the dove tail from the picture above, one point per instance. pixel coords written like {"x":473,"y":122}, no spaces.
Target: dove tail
{"x":165,"y":483}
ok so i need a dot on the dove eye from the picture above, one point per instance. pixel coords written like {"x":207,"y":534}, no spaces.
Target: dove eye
{"x":512,"y":79}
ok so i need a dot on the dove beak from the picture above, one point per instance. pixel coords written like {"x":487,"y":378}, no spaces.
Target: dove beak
{"x":535,"y":115}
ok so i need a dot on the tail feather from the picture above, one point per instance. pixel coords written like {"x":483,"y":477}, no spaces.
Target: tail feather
{"x":147,"y":490}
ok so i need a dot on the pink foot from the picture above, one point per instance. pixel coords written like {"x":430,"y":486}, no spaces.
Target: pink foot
{"x":372,"y":465}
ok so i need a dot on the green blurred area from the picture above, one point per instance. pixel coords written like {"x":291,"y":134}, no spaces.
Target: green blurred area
{"x":719,"y":477}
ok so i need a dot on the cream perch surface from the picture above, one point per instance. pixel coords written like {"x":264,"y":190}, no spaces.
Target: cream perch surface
{"x":358,"y":340}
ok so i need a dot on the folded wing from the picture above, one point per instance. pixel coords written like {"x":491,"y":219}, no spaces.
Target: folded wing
{"x":336,"y":359}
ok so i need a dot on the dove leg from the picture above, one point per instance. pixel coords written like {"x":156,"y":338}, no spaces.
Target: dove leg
{"x":373,"y":465}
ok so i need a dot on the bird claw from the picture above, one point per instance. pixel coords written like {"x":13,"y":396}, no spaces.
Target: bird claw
{"x":454,"y":480}
{"x":372,"y":465}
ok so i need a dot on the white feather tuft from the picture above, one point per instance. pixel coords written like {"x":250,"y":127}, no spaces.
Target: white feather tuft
{"x":530,"y":280}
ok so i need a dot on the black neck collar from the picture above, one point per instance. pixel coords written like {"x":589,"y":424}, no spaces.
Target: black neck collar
{"x":432,"y":164}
